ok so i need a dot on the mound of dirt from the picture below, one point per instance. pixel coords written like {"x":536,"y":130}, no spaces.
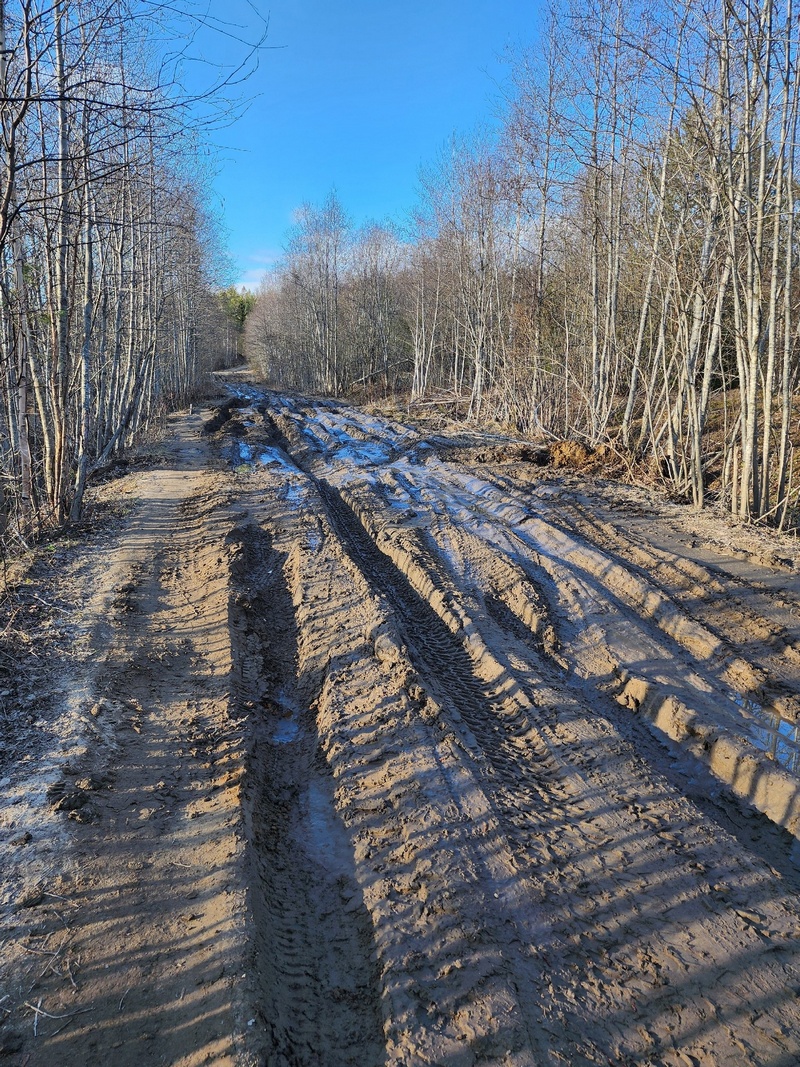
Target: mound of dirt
{"x":570,"y":454}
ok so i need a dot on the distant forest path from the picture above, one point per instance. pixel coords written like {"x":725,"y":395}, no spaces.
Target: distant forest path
{"x":369,"y":743}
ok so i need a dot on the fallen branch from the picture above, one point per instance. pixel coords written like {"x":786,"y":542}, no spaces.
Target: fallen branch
{"x":40,"y":1011}
{"x":58,"y":896}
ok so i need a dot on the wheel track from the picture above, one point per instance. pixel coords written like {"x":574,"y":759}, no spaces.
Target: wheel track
{"x":692,"y":585}
{"x":695,"y":585}
{"x":448,"y":669}
{"x":317,"y":983}
{"x":565,"y":558}
{"x":493,"y":724}
{"x":423,"y":878}
{"x":649,"y":626}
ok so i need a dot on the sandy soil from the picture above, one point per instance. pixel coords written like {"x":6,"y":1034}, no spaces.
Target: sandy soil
{"x":351,"y":744}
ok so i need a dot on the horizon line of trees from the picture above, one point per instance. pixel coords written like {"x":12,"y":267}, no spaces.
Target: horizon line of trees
{"x":110,"y":311}
{"x":620,"y":263}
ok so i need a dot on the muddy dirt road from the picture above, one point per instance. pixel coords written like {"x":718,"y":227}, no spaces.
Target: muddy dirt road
{"x":372,"y":746}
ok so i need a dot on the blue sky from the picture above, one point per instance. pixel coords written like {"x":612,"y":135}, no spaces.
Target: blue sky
{"x":354,"y":96}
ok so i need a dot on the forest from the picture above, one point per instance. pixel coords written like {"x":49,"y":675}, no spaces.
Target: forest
{"x":618,"y":265}
{"x":110,"y":260}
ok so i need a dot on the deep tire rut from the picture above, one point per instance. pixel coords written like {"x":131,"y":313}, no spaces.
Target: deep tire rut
{"x":315,"y":971}
{"x":438,"y":657}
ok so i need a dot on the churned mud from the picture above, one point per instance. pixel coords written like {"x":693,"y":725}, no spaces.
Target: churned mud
{"x":366,"y":746}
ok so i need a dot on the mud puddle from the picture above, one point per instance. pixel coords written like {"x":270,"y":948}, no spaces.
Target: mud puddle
{"x":778,"y":737}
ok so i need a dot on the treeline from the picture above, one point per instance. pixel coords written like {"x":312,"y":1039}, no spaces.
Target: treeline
{"x":621,"y":263}
{"x":108,"y":309}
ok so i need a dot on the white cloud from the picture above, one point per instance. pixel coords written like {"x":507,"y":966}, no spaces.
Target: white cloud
{"x":250,"y":279}
{"x":255,"y":265}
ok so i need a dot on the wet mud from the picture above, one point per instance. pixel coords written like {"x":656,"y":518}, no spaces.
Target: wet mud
{"x":398,"y":749}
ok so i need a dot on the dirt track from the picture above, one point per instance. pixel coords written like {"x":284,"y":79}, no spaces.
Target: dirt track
{"x":380,"y":748}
